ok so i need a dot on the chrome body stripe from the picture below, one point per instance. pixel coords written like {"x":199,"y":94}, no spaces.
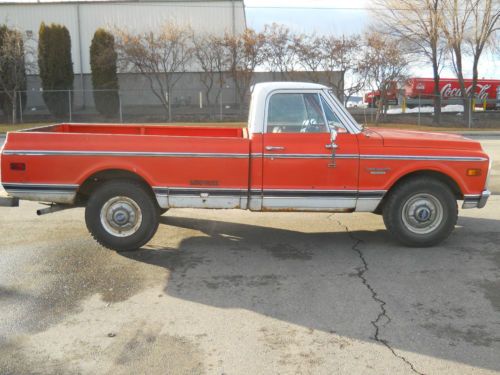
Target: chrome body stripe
{"x":311,"y":156}
{"x":239,"y":156}
{"x":125,"y":153}
{"x":31,"y":185}
{"x":422,"y":157}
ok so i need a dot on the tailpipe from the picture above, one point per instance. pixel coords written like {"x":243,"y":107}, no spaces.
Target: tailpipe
{"x":53,"y":208}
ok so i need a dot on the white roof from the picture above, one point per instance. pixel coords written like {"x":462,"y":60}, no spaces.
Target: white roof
{"x":267,"y":87}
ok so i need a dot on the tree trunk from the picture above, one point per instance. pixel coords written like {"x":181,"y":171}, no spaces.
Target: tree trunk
{"x":460,"y":76}
{"x":14,"y":108}
{"x":437,"y":92}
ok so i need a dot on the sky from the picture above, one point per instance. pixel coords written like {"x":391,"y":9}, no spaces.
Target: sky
{"x":339,"y":17}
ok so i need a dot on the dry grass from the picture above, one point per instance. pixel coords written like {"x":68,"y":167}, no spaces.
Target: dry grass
{"x":4,"y":128}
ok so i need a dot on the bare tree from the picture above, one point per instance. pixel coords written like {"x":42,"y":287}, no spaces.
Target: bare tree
{"x":455,"y":25}
{"x":278,"y":50}
{"x":210,"y":53}
{"x":161,"y":56}
{"x":341,"y":58}
{"x":384,"y":66}
{"x":245,"y":53}
{"x":12,"y":70}
{"x":485,"y":23}
{"x":309,"y":52}
{"x":416,"y":24}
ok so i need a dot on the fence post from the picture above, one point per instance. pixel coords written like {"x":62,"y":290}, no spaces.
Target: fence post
{"x":20,"y":107}
{"x":70,"y":109}
{"x":120,"y":107}
{"x":220,"y":102}
{"x":470,"y":113}
{"x":418,"y":109}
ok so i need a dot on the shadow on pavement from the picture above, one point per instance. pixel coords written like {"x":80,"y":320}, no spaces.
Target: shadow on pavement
{"x":312,"y":280}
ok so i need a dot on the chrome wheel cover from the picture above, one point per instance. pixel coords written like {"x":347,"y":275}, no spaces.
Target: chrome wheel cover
{"x":422,"y":213}
{"x":121,"y":216}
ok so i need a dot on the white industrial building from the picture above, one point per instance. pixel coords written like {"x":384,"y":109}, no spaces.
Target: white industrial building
{"x":83,"y":18}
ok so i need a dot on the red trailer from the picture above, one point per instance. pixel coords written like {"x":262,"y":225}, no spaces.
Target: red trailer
{"x":422,"y":90}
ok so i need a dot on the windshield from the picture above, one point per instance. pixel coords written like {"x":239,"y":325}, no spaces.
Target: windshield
{"x":345,"y":111}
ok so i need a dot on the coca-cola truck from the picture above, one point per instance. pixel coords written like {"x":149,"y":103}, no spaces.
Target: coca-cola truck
{"x":421,"y":91}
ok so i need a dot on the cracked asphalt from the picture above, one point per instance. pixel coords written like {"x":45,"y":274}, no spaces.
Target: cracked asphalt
{"x":234,"y":292}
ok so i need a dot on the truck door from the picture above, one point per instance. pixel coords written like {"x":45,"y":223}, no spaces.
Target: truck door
{"x":299,"y":172}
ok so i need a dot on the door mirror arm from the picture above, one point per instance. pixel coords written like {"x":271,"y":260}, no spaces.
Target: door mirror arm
{"x":334,"y":146}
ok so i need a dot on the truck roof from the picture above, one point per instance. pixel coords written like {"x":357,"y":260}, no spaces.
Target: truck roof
{"x":287,"y":85}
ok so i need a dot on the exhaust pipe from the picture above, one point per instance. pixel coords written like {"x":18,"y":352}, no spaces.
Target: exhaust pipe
{"x":53,"y":208}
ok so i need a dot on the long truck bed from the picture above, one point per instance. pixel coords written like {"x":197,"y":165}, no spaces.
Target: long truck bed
{"x":62,"y":158}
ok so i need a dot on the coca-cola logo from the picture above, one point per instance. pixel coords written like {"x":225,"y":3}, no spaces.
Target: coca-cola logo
{"x":482,"y":91}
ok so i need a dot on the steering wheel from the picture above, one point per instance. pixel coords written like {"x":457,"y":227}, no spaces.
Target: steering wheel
{"x":310,"y":126}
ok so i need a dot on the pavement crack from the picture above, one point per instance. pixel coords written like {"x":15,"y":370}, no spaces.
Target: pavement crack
{"x":383,"y":317}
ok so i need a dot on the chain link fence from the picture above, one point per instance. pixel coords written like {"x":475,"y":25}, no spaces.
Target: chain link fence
{"x":475,"y":112}
{"x":222,"y":105}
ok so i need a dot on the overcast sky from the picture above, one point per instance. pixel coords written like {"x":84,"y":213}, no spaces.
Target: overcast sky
{"x":337,"y":17}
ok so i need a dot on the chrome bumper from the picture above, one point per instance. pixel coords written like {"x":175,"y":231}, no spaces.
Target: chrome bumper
{"x":476,"y":201}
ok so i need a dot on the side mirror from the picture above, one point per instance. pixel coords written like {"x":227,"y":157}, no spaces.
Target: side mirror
{"x":333,"y":135}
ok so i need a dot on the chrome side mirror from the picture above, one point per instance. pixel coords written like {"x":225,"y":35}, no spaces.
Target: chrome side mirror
{"x":333,"y":146}
{"x":333,"y":135}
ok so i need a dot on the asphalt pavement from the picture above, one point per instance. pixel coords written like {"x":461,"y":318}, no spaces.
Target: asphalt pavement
{"x":235,"y":292}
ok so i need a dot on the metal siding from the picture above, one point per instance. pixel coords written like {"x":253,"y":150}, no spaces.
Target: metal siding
{"x":210,"y":16}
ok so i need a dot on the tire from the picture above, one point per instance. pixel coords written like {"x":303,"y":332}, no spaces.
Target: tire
{"x":122,"y":215}
{"x":421,"y":212}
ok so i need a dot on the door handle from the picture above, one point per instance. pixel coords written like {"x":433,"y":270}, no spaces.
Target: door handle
{"x":274,"y":148}
{"x":330,"y":146}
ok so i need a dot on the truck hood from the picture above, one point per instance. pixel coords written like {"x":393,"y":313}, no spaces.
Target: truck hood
{"x":420,"y":139}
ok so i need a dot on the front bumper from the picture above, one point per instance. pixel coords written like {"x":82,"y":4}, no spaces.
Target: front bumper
{"x":476,"y":201}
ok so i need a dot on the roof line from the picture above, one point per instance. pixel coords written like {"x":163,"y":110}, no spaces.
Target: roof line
{"x":187,"y":3}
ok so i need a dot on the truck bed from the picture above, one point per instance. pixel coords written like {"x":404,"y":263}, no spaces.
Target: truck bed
{"x":210,"y":130}
{"x":58,"y":160}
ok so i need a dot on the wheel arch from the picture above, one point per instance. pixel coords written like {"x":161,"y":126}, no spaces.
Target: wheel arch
{"x":429,"y":173}
{"x":97,"y":178}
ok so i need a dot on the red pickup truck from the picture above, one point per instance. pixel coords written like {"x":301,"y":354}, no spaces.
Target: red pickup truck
{"x":302,"y":151}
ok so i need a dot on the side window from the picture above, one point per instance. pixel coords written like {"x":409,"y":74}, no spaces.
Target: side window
{"x":295,"y":113}
{"x":331,"y":117}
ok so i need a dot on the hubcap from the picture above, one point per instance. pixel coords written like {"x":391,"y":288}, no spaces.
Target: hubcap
{"x":422,"y":213}
{"x":121,"y":216}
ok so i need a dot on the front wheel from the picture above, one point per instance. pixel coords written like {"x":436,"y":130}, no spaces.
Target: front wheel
{"x":122,"y":215}
{"x":421,"y":212}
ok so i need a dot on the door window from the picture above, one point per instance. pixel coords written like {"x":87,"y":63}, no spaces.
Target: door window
{"x":331,"y":117}
{"x":295,"y":113}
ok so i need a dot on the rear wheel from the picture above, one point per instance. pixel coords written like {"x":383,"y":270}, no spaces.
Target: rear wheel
{"x":421,"y":212}
{"x":122,"y":215}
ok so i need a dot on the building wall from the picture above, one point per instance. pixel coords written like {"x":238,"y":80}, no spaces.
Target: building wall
{"x":82,"y":19}
{"x":137,"y":100}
